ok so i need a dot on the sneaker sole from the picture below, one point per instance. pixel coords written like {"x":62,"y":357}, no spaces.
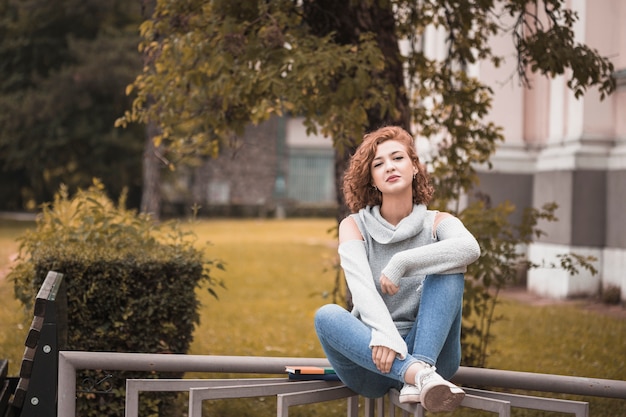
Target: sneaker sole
{"x":409,"y":399}
{"x":442,"y":398}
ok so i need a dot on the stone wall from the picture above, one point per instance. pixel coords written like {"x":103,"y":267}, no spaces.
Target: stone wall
{"x":244,"y":173}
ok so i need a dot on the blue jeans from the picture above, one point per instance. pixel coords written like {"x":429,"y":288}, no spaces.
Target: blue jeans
{"x":435,"y":338}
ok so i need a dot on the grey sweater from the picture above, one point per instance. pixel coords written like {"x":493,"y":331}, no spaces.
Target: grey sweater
{"x":405,"y":253}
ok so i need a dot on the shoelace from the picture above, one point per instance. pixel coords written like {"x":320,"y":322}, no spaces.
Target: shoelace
{"x":427,"y":375}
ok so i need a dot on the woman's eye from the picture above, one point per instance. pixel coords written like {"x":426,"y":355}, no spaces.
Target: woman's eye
{"x":397,"y":158}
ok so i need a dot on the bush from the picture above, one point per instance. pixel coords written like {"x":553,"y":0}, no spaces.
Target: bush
{"x":611,"y":294}
{"x":130,"y":286}
{"x":499,"y":265}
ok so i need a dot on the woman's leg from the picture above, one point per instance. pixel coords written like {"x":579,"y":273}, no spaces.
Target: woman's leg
{"x":450,"y":357}
{"x":436,"y":335}
{"x":345,"y":340}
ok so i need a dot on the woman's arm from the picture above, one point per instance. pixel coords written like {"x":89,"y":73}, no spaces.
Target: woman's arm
{"x":366,"y":298}
{"x":455,"y":248}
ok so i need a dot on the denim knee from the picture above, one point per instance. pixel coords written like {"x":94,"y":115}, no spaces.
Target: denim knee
{"x":325,"y":314}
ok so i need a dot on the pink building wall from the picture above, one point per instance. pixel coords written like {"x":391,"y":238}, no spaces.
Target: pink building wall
{"x":571,"y":151}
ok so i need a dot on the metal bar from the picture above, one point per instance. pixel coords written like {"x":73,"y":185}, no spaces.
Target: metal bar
{"x":407,"y":408}
{"x":135,"y":386}
{"x":260,"y":389}
{"x":175,"y":384}
{"x":66,"y":402}
{"x":308,"y":397}
{"x":380,"y":408}
{"x":578,"y":408}
{"x":391,"y":407}
{"x":369,"y":407}
{"x":131,"y":406}
{"x":179,"y":362}
{"x":594,"y":387}
{"x":503,"y":408}
{"x":352,"y":408}
{"x":70,"y":361}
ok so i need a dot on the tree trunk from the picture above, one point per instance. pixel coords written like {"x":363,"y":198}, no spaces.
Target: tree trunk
{"x":151,"y":170}
{"x":151,"y":191}
{"x":349,"y":19}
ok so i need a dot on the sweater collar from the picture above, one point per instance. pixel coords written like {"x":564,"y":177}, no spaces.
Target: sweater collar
{"x":384,"y":232}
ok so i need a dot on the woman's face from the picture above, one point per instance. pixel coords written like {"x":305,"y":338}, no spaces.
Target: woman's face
{"x":392,"y":169}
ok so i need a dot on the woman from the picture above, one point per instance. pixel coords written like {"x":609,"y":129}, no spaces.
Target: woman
{"x":404,"y":267}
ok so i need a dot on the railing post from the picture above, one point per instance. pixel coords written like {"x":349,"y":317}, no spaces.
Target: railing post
{"x":67,"y":388}
{"x":131,"y":407}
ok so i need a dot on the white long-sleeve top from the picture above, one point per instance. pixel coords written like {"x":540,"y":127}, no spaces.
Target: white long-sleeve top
{"x":405,"y":253}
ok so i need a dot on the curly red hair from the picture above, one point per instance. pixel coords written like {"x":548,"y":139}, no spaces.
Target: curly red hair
{"x":357,"y":182}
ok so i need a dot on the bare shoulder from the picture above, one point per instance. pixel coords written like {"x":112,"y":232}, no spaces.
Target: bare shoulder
{"x":348,"y":230}
{"x":439,"y":217}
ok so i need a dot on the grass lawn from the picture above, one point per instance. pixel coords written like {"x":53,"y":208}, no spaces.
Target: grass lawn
{"x":279,"y":272}
{"x":14,"y":319}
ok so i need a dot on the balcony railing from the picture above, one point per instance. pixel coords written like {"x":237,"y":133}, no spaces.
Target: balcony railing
{"x":291,"y":393}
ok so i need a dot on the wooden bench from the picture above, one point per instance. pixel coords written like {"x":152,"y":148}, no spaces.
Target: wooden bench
{"x":34,"y":392}
{"x":7,"y":386}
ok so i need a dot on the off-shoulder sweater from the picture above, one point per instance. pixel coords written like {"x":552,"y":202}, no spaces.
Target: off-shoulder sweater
{"x":405,"y":253}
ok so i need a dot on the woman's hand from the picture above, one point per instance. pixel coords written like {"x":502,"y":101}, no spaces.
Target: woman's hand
{"x":383,"y":357}
{"x":388,"y":287}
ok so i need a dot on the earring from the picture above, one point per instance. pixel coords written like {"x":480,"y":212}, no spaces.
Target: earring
{"x":375,"y":187}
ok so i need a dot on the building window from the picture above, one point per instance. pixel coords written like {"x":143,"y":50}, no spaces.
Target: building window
{"x":311,"y":175}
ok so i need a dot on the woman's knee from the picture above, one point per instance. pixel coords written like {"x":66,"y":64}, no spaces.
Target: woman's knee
{"x":452,"y":284}
{"x":450,"y":279}
{"x":326,"y":314}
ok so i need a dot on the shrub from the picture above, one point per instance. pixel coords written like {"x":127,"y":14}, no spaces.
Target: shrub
{"x":130,"y":286}
{"x":499,"y":265}
{"x":611,"y":294}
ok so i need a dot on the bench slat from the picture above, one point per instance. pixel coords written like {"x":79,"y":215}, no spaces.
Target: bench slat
{"x":35,"y":331}
{"x":47,"y":292}
{"x":4,"y":368}
{"x":27,"y":362}
{"x":20,"y":394}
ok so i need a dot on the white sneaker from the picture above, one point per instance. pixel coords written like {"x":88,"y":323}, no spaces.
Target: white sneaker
{"x":435,"y":393}
{"x":409,"y":394}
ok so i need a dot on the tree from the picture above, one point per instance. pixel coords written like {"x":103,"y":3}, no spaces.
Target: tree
{"x":64,"y":67}
{"x":224,"y":64}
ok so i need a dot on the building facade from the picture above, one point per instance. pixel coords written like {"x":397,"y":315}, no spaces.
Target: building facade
{"x":570,"y":151}
{"x":272,"y":170}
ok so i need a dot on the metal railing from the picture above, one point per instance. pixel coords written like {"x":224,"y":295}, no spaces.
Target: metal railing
{"x":71,"y":361}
